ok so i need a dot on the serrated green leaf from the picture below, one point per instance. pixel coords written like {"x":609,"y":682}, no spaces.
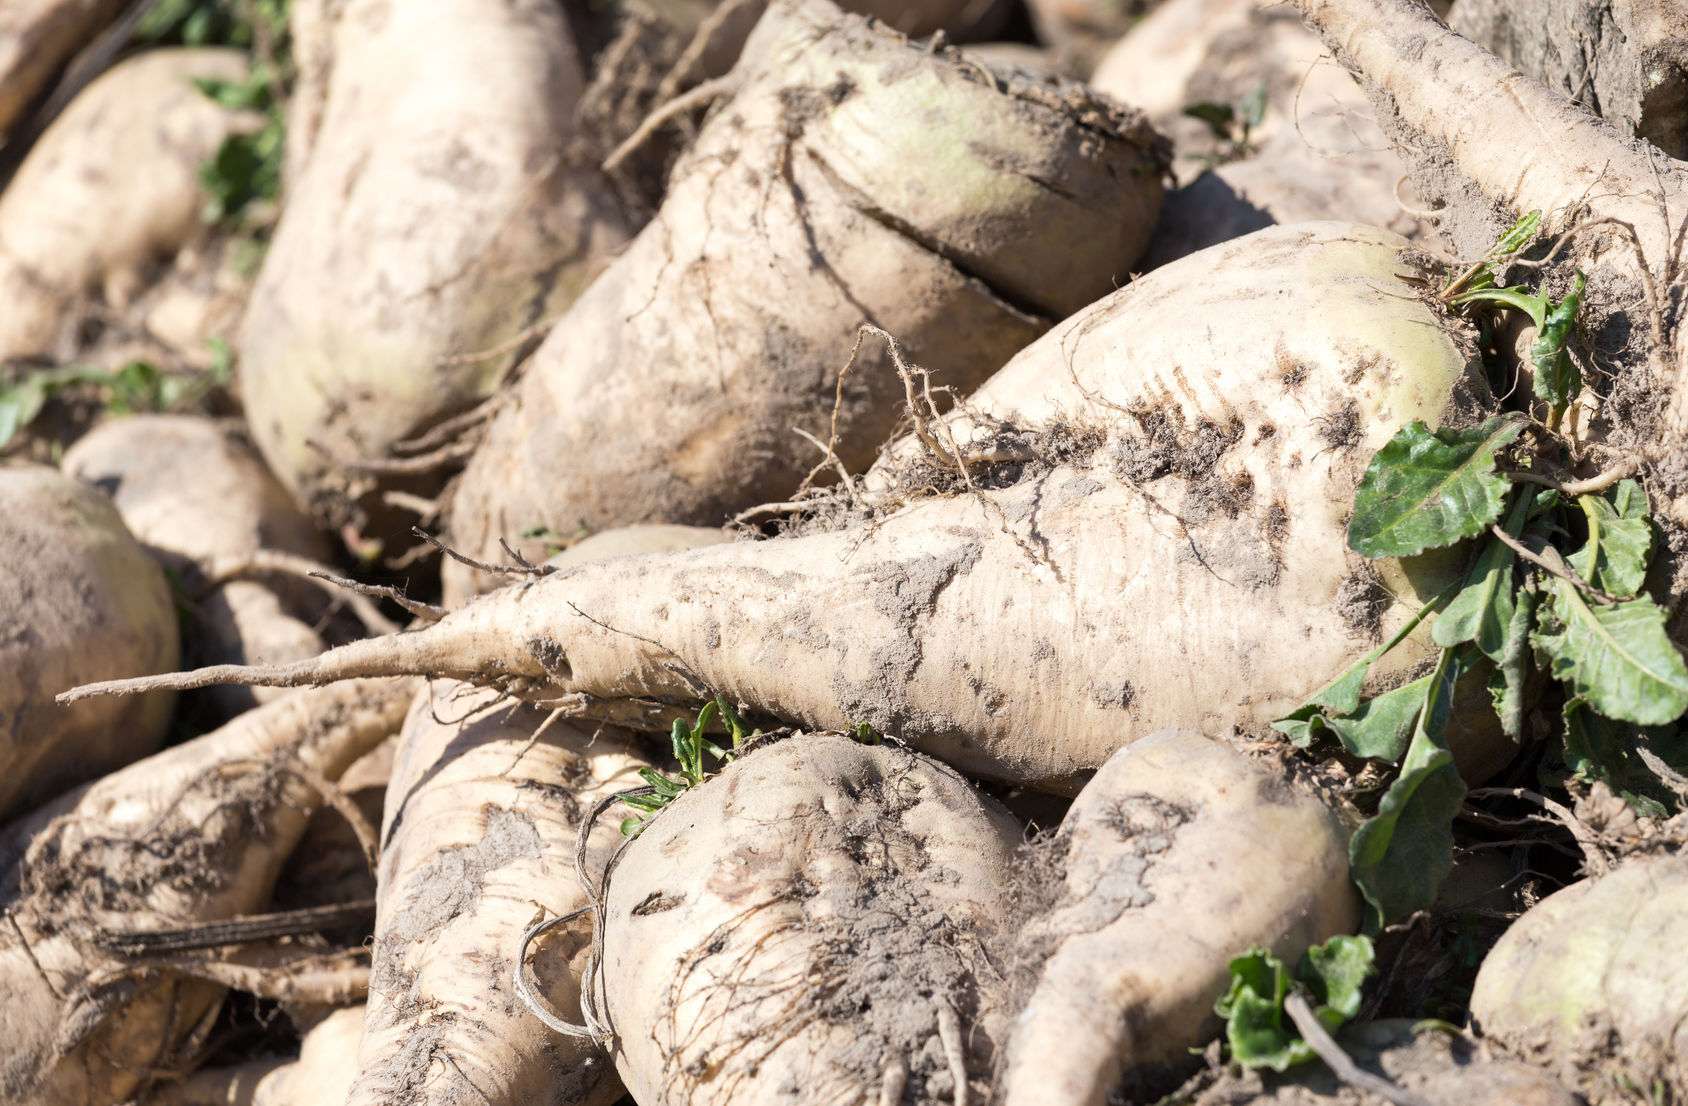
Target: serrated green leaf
{"x":1620,"y":540}
{"x":1336,"y":971}
{"x":1427,"y":489}
{"x":1400,"y":856}
{"x":1256,"y":1027}
{"x":1617,"y":658}
{"x":1253,"y":1009}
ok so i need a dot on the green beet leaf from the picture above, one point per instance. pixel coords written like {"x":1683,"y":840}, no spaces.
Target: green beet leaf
{"x":1557,"y":379}
{"x":1617,"y":658}
{"x":1380,"y":728}
{"x":1258,"y":1031}
{"x":1512,"y":667}
{"x":1400,"y":856}
{"x":1426,"y":489}
{"x":1482,"y":612}
{"x":1336,"y":971}
{"x":1597,"y":748}
{"x":1620,"y":540}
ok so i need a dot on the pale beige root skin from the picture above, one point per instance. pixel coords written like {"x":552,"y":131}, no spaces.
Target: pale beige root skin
{"x":808,"y":919}
{"x":234,"y":1086}
{"x":478,"y":843}
{"x":1082,"y":31}
{"x":36,"y":38}
{"x":80,"y":596}
{"x":853,"y":177}
{"x":1517,"y":146}
{"x":916,"y":18}
{"x":110,"y":191}
{"x":321,"y":1076}
{"x":1627,"y":59}
{"x":1179,"y":855}
{"x":195,"y":494}
{"x":195,"y":834}
{"x":1591,"y":982}
{"x":1317,"y":154}
{"x":625,"y":541}
{"x":464,"y":108}
{"x":1190,"y":570}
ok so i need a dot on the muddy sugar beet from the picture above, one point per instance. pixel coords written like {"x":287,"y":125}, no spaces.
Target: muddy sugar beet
{"x":815,"y":917}
{"x":1170,"y":551}
{"x":860,"y":175}
{"x":192,"y":835}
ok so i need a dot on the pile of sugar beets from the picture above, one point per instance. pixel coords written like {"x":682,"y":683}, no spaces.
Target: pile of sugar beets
{"x":754,"y":554}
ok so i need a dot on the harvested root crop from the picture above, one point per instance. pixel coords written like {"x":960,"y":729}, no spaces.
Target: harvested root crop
{"x":1589,"y":982}
{"x":1488,"y":156}
{"x":321,"y":1076}
{"x":815,"y":917}
{"x":862,"y":176}
{"x":478,"y":840}
{"x":80,"y":597}
{"x":1285,"y":134}
{"x":1180,"y":854}
{"x":194,"y":493}
{"x":1626,"y":60}
{"x":110,"y":191}
{"x":375,"y":319}
{"x":1136,"y":565}
{"x":38,"y":36}
{"x":194,"y":835}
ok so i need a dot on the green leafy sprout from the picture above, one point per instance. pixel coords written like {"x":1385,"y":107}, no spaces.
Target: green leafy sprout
{"x":1256,"y":1028}
{"x":1538,"y":596}
{"x":246,"y":168}
{"x":1232,"y":125}
{"x":690,"y":741}
{"x":136,"y":386}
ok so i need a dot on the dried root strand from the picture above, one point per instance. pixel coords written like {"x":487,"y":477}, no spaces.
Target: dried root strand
{"x":262,"y":562}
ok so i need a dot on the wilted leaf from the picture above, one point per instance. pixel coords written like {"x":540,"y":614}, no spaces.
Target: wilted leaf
{"x":1512,"y":667}
{"x":1427,"y":489}
{"x":1617,"y":657}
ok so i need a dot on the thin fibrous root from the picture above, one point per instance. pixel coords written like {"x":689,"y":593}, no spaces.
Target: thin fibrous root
{"x":428,"y":651}
{"x":236,"y":931}
{"x":265,"y":561}
{"x":521,"y":567}
{"x":697,"y":97}
{"x":426,"y":611}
